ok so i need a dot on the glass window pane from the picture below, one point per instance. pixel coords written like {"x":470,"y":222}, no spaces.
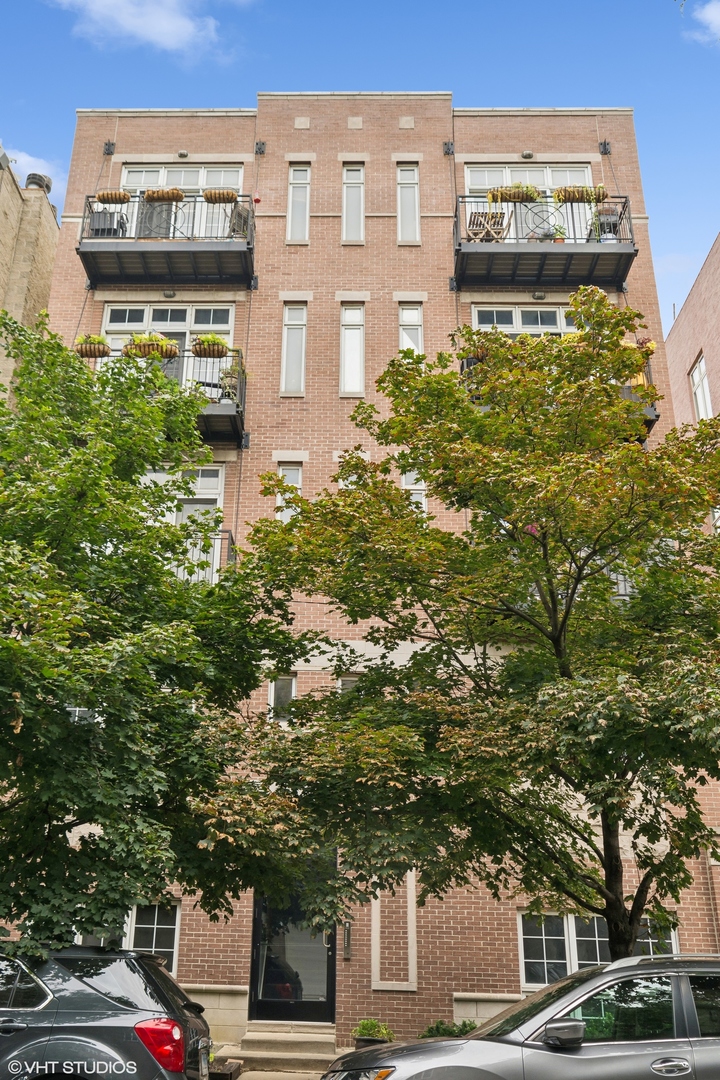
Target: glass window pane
{"x":221,"y":316}
{"x":283,"y":694}
{"x":293,"y":375}
{"x":706,"y":992}
{"x":298,"y":212}
{"x":353,"y":219}
{"x":548,"y":318}
{"x":295,"y":314}
{"x":28,"y":994}
{"x":161,"y":315}
{"x":203,"y":317}
{"x":8,"y":975}
{"x":410,"y":314}
{"x":353,"y":374}
{"x":408,"y":229}
{"x":291,"y":474}
{"x":167,"y":916}
{"x":300,"y":175}
{"x":353,"y":314}
{"x":410,"y":338}
{"x":530,"y":318}
{"x":629,"y":1010}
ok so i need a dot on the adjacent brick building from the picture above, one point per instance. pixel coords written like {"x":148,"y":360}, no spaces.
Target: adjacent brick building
{"x":354,"y":224}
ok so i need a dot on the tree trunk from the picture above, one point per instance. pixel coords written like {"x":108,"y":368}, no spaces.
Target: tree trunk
{"x":623,"y":925}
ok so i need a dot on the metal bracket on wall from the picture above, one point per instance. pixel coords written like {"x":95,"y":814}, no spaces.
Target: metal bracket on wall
{"x":452,"y":285}
{"x":245,"y":445}
{"x":449,"y":148}
{"x":254,"y":283}
{"x":109,"y":148}
{"x":260,"y":147}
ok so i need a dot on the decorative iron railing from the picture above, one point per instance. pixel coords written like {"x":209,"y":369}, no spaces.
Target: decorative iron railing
{"x":482,"y":221}
{"x":219,"y":378}
{"x":191,"y":219}
{"x":209,"y":557}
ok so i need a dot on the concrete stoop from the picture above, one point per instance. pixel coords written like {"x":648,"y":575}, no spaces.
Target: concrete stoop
{"x":286,"y":1048}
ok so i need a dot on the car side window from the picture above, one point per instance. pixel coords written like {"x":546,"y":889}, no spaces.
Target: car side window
{"x":628,"y":1011}
{"x":8,"y":974}
{"x":28,"y":993}
{"x":706,"y":993}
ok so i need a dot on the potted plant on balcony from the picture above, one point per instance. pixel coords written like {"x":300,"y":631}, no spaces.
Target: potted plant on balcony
{"x":559,"y":234}
{"x":229,"y":377}
{"x":371,"y":1033}
{"x":220,"y":195}
{"x":514,"y":193}
{"x":92,"y":346}
{"x":112,"y":198}
{"x":210,"y":345}
{"x":577,"y":193}
{"x":164,"y":195}
{"x":151,"y":345}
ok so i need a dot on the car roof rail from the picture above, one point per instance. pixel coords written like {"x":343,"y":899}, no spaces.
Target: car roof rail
{"x":630,"y":961}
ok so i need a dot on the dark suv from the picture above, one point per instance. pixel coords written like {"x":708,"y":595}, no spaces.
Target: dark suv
{"x":636,"y":1019}
{"x":94,"y":1012}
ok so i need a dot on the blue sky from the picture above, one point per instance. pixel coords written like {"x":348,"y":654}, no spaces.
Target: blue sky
{"x":664,"y":61}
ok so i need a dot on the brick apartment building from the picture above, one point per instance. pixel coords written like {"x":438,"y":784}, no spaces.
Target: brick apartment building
{"x":693,"y":346}
{"x":28,"y":240}
{"x":361,"y":224}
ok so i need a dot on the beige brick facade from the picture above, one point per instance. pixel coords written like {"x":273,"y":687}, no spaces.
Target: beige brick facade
{"x":465,"y":951}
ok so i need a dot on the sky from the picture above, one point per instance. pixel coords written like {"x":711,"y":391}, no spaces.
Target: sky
{"x":659,"y":56}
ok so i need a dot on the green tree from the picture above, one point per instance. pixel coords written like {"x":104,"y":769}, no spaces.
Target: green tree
{"x":558,"y":712}
{"x":119,"y":669}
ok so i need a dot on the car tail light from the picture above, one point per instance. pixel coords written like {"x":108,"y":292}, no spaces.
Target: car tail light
{"x":165,"y":1040}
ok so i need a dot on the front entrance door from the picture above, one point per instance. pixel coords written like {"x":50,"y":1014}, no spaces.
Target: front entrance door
{"x":293,"y":969}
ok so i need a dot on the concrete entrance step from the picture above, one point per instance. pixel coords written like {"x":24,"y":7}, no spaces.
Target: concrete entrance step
{"x":281,"y":1076}
{"x":285,"y":1061}
{"x":302,"y":1027}
{"x":321,"y":1043}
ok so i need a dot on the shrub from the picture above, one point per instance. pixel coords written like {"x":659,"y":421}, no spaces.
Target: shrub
{"x":372,"y":1029}
{"x":448,"y":1029}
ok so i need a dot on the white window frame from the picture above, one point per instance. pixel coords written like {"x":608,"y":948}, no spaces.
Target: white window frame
{"x":303,"y":230}
{"x":350,"y":330}
{"x":288,"y":326}
{"x":271,"y":692}
{"x":404,"y":182}
{"x":418,"y":324}
{"x":118,"y":334}
{"x":517,"y":328}
{"x":162,"y":181}
{"x":416,"y":489}
{"x":571,"y":954}
{"x":282,"y":512}
{"x":350,"y":183}
{"x":130,"y":929}
{"x":700,"y":389}
{"x":513,"y":173}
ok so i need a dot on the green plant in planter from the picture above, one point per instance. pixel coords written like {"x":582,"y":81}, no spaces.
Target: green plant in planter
{"x":514,"y":193}
{"x":91,"y":339}
{"x":373,"y":1029}
{"x":142,"y":339}
{"x":211,"y":339}
{"x":448,"y":1029}
{"x":559,"y":232}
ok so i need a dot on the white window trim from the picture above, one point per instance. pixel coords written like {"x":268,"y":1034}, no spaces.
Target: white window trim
{"x":283,"y":360}
{"x":518,"y":166}
{"x":416,"y":184}
{"x":130,"y":930}
{"x":421,"y":324}
{"x":700,"y":388}
{"x":517,"y":327}
{"x":163,"y":170}
{"x":344,"y":392}
{"x":279,"y":502}
{"x":346,"y":185}
{"x":291,"y":184}
{"x":418,"y":487}
{"x":570,"y":948}
{"x":189,"y":327}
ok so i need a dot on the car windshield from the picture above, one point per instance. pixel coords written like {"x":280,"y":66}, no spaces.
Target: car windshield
{"x":517,"y":1014}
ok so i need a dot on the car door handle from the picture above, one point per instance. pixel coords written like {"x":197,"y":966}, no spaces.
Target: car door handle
{"x":671,"y":1066}
{"x":7,"y":1027}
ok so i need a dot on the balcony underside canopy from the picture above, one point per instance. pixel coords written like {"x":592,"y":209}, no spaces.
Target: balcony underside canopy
{"x":179,"y":262}
{"x":568,"y":265}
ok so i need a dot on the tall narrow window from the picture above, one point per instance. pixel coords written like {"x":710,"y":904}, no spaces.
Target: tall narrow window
{"x":353,"y":220}
{"x":291,"y":474}
{"x":411,"y":327}
{"x":154,"y":929}
{"x":701,"y":390}
{"x":299,"y":203}
{"x":292,"y":374}
{"x":282,"y":692}
{"x":408,"y":200}
{"x":416,"y":489}
{"x":352,"y":350}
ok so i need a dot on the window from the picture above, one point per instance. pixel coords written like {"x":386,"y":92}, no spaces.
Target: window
{"x":532,"y":221}
{"x":353,"y":210}
{"x":346,"y":683}
{"x":411,"y":327}
{"x":179,"y":323}
{"x":521,"y":320}
{"x":479,"y":179}
{"x":627,"y":1011}
{"x":282,"y":692}
{"x":191,"y":218}
{"x":557,"y":945}
{"x":352,"y":350}
{"x":191,"y":179}
{"x":154,"y":928}
{"x":701,"y":390}
{"x":292,"y":373}
{"x":408,"y":204}
{"x":416,"y":489}
{"x":706,"y":992}
{"x":18,"y":988}
{"x":298,"y":213}
{"x":291,"y":474}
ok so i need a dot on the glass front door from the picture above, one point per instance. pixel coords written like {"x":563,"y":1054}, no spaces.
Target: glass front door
{"x":293,"y":968}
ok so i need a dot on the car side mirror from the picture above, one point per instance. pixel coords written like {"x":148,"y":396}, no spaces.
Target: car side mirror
{"x":566,"y":1033}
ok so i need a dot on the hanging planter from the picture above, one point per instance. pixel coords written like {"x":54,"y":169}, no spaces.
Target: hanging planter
{"x":514,"y":193}
{"x":113,"y":198}
{"x":92,"y":347}
{"x":151,"y":344}
{"x":209,"y":345}
{"x":579,"y":194}
{"x":164,"y":195}
{"x":220,"y":195}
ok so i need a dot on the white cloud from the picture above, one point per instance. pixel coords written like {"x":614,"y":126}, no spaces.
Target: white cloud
{"x":708,"y":15}
{"x":22,"y":164}
{"x":172,"y":25}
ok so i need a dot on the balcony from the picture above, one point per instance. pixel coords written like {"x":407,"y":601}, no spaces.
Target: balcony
{"x":192,"y":242}
{"x":542,"y":244}
{"x":210,"y":559}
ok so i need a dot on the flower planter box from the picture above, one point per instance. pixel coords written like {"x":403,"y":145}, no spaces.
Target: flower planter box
{"x":210,"y":350}
{"x":92,"y":350}
{"x":579,"y":194}
{"x":168,"y":350}
{"x":164,"y":195}
{"x":220,"y":195}
{"x":512,"y":194}
{"x":113,"y":198}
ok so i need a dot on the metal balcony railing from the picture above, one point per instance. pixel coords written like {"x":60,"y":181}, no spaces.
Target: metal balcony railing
{"x":214,"y":376}
{"x":191,"y":219}
{"x":480,"y":221}
{"x":210,"y":557}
